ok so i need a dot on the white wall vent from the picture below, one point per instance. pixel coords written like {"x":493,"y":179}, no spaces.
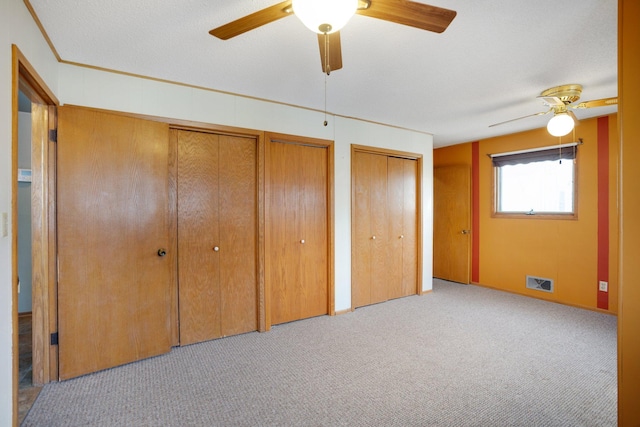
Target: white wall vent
{"x":540,"y":284}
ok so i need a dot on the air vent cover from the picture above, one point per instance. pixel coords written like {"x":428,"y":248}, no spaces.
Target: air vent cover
{"x":540,"y":284}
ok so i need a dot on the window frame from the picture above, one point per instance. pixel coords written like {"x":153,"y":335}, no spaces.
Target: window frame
{"x":536,"y":215}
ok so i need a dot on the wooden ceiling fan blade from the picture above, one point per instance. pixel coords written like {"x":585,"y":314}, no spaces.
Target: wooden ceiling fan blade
{"x":334,"y":57}
{"x":255,"y":20}
{"x":606,"y":102}
{"x":542,"y":113}
{"x":405,"y":12}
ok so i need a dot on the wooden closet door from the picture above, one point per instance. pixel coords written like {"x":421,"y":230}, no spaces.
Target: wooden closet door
{"x":410,"y":228}
{"x":297,"y":252}
{"x":216,"y":235}
{"x":238,"y":231}
{"x":361,"y":225}
{"x":395,"y":198}
{"x":112,"y":197}
{"x":284,"y":234}
{"x":381,"y":239}
{"x":402,"y":176}
{"x":370,"y":274}
{"x":198,"y":235}
{"x":313,"y":218}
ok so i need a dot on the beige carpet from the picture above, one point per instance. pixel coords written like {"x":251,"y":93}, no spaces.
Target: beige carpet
{"x":460,"y":356}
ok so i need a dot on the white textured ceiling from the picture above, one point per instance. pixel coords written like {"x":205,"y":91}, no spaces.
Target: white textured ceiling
{"x":487,"y":67}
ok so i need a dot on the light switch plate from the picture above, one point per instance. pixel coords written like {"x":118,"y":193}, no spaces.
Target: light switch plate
{"x":5,"y":224}
{"x":603,"y":286}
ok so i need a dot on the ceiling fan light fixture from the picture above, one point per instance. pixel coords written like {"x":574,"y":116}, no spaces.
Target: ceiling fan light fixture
{"x":324,"y":16}
{"x":560,"y":124}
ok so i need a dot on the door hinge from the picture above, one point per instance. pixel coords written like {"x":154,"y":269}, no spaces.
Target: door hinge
{"x":53,"y":135}
{"x":54,"y":338}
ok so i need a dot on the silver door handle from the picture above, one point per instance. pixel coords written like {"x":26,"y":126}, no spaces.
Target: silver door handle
{"x":466,"y":231}
{"x":216,"y":249}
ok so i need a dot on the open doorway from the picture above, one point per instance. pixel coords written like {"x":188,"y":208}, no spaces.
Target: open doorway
{"x":27,"y":392}
{"x":33,"y":234}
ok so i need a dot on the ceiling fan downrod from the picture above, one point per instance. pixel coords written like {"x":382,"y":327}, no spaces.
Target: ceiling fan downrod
{"x":327,"y":65}
{"x":327,"y":68}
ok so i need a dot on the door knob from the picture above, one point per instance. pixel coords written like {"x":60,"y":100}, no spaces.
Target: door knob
{"x":302,"y":241}
{"x":161,"y":252}
{"x":373,"y":238}
{"x":402,"y":236}
{"x":216,"y":249}
{"x":466,"y":231}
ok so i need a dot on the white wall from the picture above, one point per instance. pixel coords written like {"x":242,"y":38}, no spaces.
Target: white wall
{"x":16,"y":27}
{"x":100,"y":89}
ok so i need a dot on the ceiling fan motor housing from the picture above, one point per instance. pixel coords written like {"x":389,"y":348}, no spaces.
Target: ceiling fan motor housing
{"x":568,"y":94}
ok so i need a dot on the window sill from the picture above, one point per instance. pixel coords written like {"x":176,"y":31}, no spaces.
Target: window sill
{"x":541,"y":215}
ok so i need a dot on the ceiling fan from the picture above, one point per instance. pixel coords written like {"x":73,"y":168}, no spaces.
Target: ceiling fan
{"x":327,"y":17}
{"x":561,"y":101}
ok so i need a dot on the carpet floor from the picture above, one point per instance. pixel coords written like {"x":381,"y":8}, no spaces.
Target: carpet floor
{"x":459,"y":356}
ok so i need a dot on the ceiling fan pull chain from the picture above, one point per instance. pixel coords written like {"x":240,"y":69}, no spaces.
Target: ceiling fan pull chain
{"x":325,"y":99}
{"x":560,"y":148}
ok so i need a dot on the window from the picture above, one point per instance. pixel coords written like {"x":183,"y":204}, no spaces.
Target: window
{"x":537,"y":182}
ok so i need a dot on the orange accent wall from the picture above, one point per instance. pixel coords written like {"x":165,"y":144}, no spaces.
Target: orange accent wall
{"x":629,"y":309}
{"x":603,"y":210}
{"x":563,"y":250}
{"x":459,"y":154}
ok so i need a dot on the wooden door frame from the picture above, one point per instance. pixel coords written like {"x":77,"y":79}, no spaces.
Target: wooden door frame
{"x":403,"y":155}
{"x":44,"y":319}
{"x":271,"y":137}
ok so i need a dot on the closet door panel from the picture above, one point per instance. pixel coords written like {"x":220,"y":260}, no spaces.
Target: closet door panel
{"x":198,"y":234}
{"x":313,"y":218}
{"x":410,"y":229}
{"x":380,"y":240}
{"x":396,"y":204}
{"x":361,"y":224}
{"x":284,"y":231}
{"x":237,"y":249}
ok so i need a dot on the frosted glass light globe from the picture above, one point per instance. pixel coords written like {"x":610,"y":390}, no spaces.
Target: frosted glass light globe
{"x":324,"y":16}
{"x":560,"y":124}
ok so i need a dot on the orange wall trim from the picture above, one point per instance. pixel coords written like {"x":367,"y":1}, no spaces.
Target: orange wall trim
{"x":475,"y":212}
{"x":603,"y":210}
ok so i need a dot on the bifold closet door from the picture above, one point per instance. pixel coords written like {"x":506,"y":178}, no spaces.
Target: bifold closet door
{"x":297,"y":253}
{"x":384,"y":246}
{"x":216,"y":195}
{"x":114,"y":289}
